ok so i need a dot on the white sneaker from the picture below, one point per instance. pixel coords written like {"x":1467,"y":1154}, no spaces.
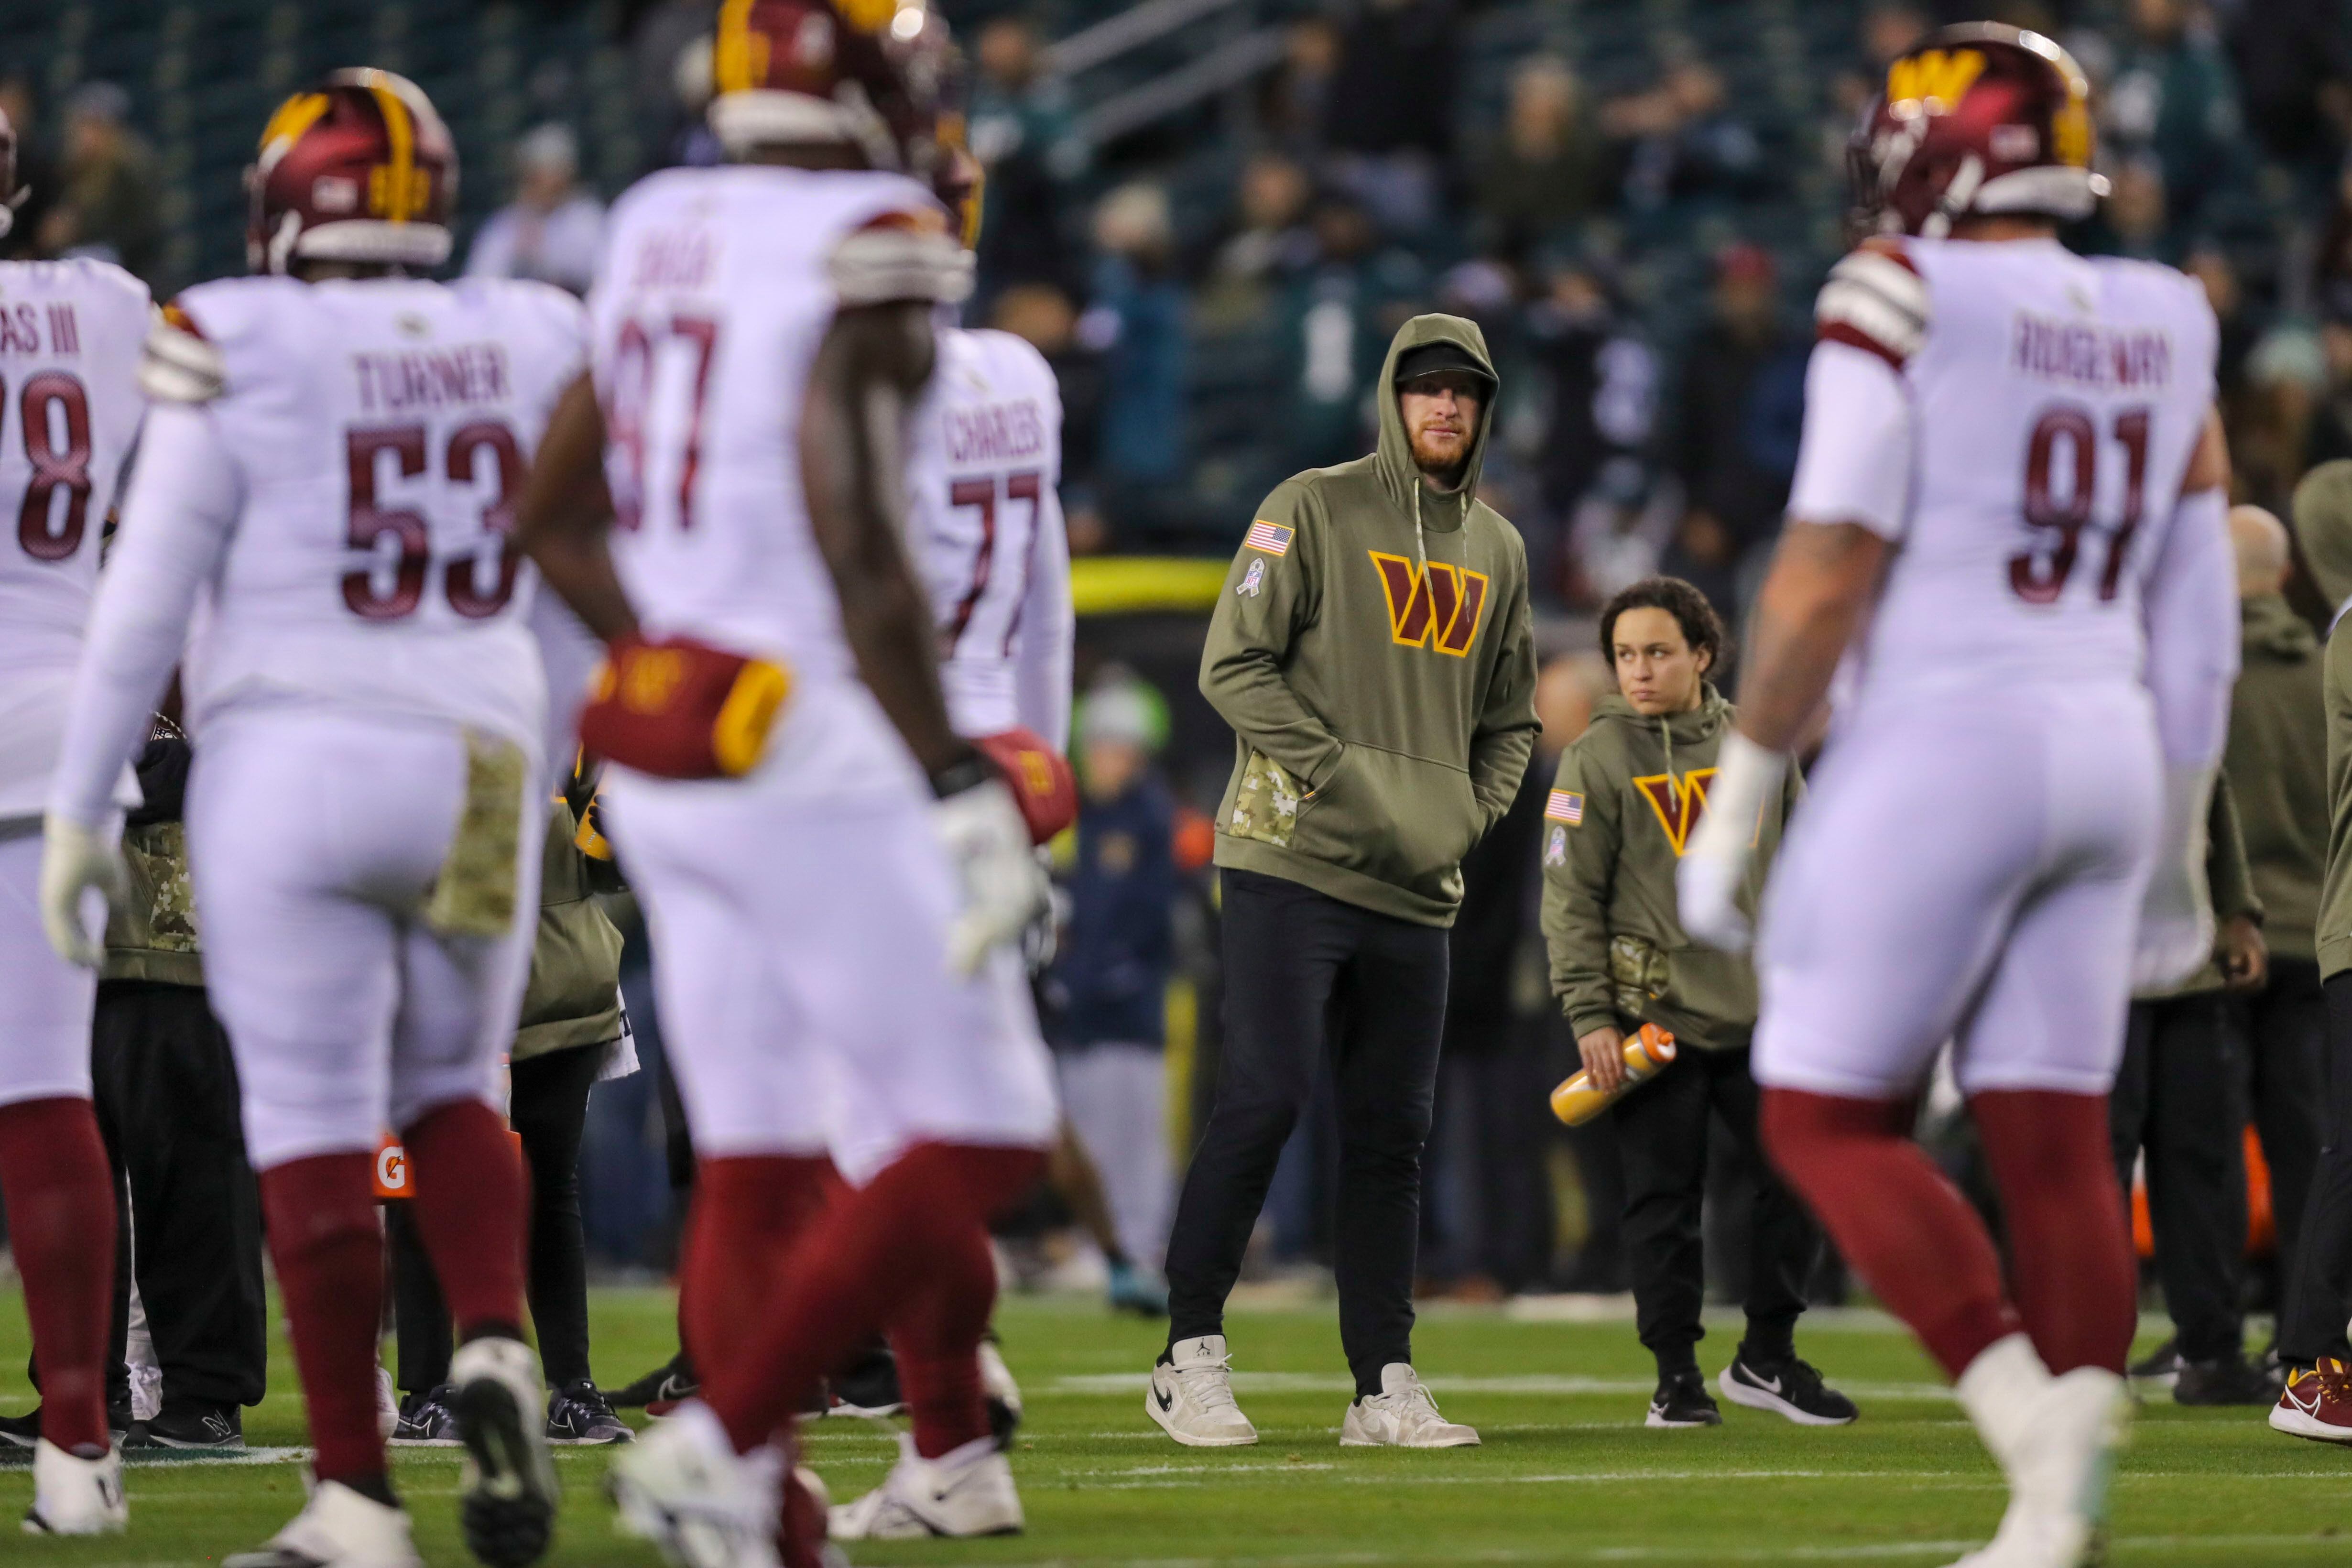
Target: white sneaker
{"x":966,"y":1493}
{"x":1401,"y":1415}
{"x":507,"y":1487}
{"x":2056,"y":1441}
{"x":682,"y":1486}
{"x":1191,"y":1396}
{"x":339,"y":1528}
{"x":387,"y":1405}
{"x":73,"y":1496}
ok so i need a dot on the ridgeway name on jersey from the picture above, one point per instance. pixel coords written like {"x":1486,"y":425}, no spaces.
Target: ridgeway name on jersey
{"x":989,"y":540}
{"x":70,"y":409}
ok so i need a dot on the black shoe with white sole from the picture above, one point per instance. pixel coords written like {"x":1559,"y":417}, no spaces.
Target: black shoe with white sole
{"x":1789,"y":1387}
{"x":25,"y":1431}
{"x":579,"y":1414}
{"x":1682,"y":1400}
{"x":668,"y":1384}
{"x":215,"y":1427}
{"x":2160,"y":1367}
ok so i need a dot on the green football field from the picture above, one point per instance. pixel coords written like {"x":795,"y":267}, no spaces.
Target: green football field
{"x":1567,"y":1475}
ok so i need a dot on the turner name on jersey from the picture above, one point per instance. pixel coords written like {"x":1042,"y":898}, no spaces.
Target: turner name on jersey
{"x":380,"y":432}
{"x":70,"y":410}
{"x":984,"y":512}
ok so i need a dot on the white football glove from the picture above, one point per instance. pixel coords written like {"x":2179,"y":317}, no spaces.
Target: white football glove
{"x":1715,"y":862}
{"x":74,"y":859}
{"x":2176,"y":913}
{"x":1004,"y":889}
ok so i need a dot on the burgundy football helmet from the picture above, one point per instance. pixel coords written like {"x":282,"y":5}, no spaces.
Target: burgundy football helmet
{"x":359,"y":168}
{"x":1980,"y":118}
{"x":872,"y":73}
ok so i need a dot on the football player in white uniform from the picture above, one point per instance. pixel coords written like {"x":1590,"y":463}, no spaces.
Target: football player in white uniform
{"x":70,"y":409}
{"x":2008,"y":521}
{"x":831,"y":875}
{"x":984,"y":523}
{"x":327,"y":469}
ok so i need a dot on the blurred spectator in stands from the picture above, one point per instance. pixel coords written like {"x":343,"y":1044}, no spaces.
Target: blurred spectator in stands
{"x":1266,"y":244}
{"x":1681,"y":139}
{"x":2211,"y":267}
{"x":1388,"y":119}
{"x":2172,"y":99}
{"x":1138,"y":322}
{"x":1889,"y":30}
{"x":1334,"y":331}
{"x":1107,"y":990}
{"x":1599,"y":391}
{"x":2331,"y":423}
{"x":2294,"y":70}
{"x":1043,"y":316}
{"x":554,"y":229}
{"x":2132,"y":221}
{"x":1025,"y":136}
{"x":36,"y":171}
{"x":1734,"y":440}
{"x":110,"y":194}
{"x":1293,"y":104}
{"x":2269,"y":425}
{"x":1538,"y":178}
{"x":663,"y":37}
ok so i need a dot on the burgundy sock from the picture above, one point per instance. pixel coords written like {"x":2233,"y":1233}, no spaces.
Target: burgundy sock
{"x":469,"y":1205}
{"x":324,"y":1238}
{"x":748,"y":1212}
{"x":61,"y":1197}
{"x":861,"y":1261}
{"x":2069,"y":1252}
{"x":1905,"y":1228}
{"x":937,"y":1341}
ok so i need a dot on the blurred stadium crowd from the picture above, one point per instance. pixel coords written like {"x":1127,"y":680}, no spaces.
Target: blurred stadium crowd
{"x":1210,"y":215}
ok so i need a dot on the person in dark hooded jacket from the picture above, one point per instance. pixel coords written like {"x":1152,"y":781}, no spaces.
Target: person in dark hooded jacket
{"x":1628,"y":794}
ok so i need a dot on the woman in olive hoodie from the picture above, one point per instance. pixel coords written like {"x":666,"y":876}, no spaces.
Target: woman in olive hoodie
{"x":1629,"y":792}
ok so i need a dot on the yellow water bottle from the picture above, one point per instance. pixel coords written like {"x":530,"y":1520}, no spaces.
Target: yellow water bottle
{"x":1649,"y":1050}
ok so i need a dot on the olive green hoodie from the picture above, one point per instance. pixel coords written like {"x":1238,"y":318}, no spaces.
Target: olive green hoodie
{"x":1629,"y":792}
{"x":2323,"y":526}
{"x":2277,"y":764}
{"x":573,"y":997}
{"x":1372,"y":651}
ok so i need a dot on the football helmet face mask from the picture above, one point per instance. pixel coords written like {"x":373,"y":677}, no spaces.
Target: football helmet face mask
{"x":868,"y":73}
{"x":1977,"y":118}
{"x":359,"y":169}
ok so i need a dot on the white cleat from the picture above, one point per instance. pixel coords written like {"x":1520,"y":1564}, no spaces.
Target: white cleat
{"x":2056,"y":1439}
{"x":339,"y":1528}
{"x":682,"y":1486}
{"x":1191,"y":1396}
{"x":961,"y":1495}
{"x":507,"y":1485}
{"x":1002,"y":1392}
{"x":1403,"y":1414}
{"x":73,"y":1496}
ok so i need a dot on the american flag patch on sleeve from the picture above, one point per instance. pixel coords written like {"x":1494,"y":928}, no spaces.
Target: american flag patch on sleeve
{"x":1565,"y":805}
{"x":1271,"y":536}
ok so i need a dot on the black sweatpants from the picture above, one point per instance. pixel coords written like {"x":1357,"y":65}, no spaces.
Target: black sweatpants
{"x":1307,"y":978}
{"x":548,"y":1105}
{"x":165,"y":1090}
{"x":2319,"y":1294}
{"x":2284,"y":1028}
{"x":1662,"y":1134}
{"x":2177,"y":1097}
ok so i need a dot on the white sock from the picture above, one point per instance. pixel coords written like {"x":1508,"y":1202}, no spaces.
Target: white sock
{"x":2001,"y":1390}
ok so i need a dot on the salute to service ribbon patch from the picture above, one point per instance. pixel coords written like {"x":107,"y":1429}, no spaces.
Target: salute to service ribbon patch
{"x":1271,"y":536}
{"x":1565,"y":805}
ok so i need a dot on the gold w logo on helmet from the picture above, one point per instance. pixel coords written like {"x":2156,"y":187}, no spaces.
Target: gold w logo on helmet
{"x":1937,"y":79}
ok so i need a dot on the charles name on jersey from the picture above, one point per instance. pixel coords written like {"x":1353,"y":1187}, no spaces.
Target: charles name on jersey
{"x":989,"y":431}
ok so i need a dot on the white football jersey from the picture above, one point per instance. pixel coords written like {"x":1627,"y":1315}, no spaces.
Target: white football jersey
{"x":717,"y":288}
{"x":70,"y":410}
{"x":986,"y":522}
{"x":2024,"y":457}
{"x":380,"y":432}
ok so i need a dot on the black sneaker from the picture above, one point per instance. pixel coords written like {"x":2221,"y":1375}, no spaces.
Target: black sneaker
{"x":665,"y":1385}
{"x":579,"y":1414}
{"x":426,"y":1419}
{"x":1682,"y":1400}
{"x":2226,"y":1380}
{"x":868,"y":1386}
{"x":2160,"y":1366}
{"x":1789,"y":1387}
{"x":25,"y":1431}
{"x":220,"y":1427}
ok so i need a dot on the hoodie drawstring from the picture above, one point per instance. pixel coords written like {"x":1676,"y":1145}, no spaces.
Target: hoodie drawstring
{"x":1666,"y":732}
{"x":1420,"y":540}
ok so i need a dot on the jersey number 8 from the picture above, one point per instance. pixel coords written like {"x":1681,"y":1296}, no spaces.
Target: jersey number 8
{"x":56,"y":466}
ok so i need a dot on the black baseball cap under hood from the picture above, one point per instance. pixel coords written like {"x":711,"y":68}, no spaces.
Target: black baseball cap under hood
{"x":1433,"y":359}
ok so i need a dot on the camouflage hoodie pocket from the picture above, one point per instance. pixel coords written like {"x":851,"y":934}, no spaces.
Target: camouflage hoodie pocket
{"x":1640,"y":972}
{"x":1265,"y":803}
